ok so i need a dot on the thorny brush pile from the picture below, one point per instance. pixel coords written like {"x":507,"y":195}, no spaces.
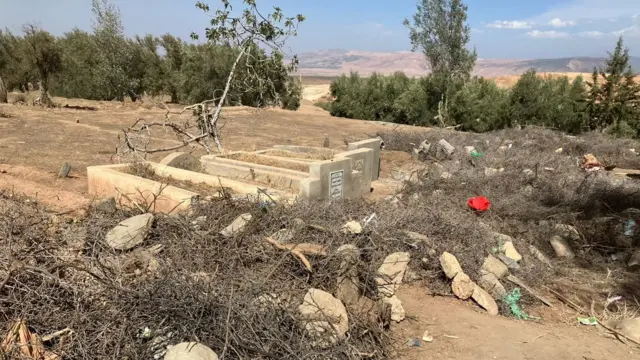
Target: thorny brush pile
{"x":541,"y":184}
{"x":204,"y":287}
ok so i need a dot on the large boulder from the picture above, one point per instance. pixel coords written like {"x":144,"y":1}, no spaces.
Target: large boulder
{"x":190,"y":351}
{"x":131,"y":232}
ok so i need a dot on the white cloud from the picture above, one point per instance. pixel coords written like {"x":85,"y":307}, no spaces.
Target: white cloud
{"x":591,"y":34}
{"x":515,"y":24}
{"x":559,"y":23}
{"x":631,"y":31}
{"x":589,"y":10}
{"x":477,"y":31}
{"x":548,"y":34}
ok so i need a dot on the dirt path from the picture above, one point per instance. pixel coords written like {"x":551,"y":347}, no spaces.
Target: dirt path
{"x":472,"y":334}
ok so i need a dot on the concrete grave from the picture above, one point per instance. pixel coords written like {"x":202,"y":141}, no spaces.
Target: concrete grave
{"x":288,"y":172}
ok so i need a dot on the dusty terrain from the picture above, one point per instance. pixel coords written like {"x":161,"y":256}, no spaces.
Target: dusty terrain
{"x":337,"y":62}
{"x":36,"y":142}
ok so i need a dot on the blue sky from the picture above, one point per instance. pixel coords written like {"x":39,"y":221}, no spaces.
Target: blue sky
{"x":500,"y":28}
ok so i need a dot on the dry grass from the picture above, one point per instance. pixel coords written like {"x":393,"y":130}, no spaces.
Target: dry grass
{"x":522,"y":205}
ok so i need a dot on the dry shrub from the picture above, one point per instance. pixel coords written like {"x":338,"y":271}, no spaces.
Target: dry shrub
{"x":537,"y":187}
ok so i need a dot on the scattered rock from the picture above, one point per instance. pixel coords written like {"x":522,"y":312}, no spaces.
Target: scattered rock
{"x":492,"y":171}
{"x":567,"y":231}
{"x":462,"y":286}
{"x":485,"y":300}
{"x":182,"y":160}
{"x":511,"y":264}
{"x":391,"y":273}
{"x":446,"y":175}
{"x":64,"y":171}
{"x":511,"y":252}
{"x":131,"y":232}
{"x":283,"y":236}
{"x":107,"y":205}
{"x":540,"y":255}
{"x":324,"y":317}
{"x":352,"y":227}
{"x":397,"y":311}
{"x":634,"y":260}
{"x":375,"y":312}
{"x":628,"y":327}
{"x":561,"y":247}
{"x":268,"y":302}
{"x":298,"y":223}
{"x":528,"y":172}
{"x":190,"y":351}
{"x":142,"y":261}
{"x":559,"y":150}
{"x":469,"y":149}
{"x":450,"y":265}
{"x":410,"y":276}
{"x":237,"y":226}
{"x":348,"y":290}
{"x":200,"y":220}
{"x":419,"y":238}
{"x":490,"y":283}
{"x":495,"y":267}
{"x":445,"y":147}
{"x":427,"y":337}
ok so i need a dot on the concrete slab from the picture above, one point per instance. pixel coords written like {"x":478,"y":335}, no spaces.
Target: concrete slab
{"x":373,"y":144}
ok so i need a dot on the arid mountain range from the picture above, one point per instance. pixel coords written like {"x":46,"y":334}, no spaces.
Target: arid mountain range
{"x":338,"y":62}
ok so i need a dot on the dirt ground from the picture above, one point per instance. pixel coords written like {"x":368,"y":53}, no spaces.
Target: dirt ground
{"x":36,"y":142}
{"x":461,"y":331}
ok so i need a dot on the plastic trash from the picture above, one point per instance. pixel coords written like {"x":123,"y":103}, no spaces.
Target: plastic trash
{"x":414,"y":342}
{"x":630,"y":227}
{"x":512,"y":299}
{"x":476,"y":153}
{"x":479,"y":203}
{"x":591,"y":321}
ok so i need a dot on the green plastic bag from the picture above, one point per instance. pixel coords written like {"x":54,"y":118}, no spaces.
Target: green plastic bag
{"x":477,"y":154}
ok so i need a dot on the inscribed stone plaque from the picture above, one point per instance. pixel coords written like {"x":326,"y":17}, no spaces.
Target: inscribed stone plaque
{"x":336,"y":184}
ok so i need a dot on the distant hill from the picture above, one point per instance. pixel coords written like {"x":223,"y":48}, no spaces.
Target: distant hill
{"x":336,"y":62}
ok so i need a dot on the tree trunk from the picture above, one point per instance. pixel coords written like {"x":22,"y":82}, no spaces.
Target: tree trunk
{"x":3,"y":91}
{"x":45,"y":100}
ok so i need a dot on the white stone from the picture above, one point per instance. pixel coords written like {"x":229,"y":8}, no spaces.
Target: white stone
{"x":485,"y":300}
{"x":391,"y":273}
{"x":190,"y":351}
{"x":324,"y":315}
{"x":131,"y":232}
{"x":462,"y":286}
{"x":283,"y":236}
{"x":352,"y":227}
{"x":450,"y":265}
{"x":397,"y":311}
{"x":511,"y":252}
{"x":561,"y":247}
{"x":237,"y":226}
{"x":495,"y":266}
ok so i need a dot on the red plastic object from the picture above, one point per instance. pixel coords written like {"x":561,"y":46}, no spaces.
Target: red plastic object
{"x":479,"y":203}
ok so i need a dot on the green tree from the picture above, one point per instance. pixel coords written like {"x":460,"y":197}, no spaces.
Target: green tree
{"x":252,"y":75}
{"x":440,"y":30}
{"x":617,"y":96}
{"x":80,"y":61}
{"x":480,"y":106}
{"x":45,"y":56}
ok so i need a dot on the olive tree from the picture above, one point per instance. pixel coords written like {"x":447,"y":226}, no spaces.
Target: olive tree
{"x":248,"y":33}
